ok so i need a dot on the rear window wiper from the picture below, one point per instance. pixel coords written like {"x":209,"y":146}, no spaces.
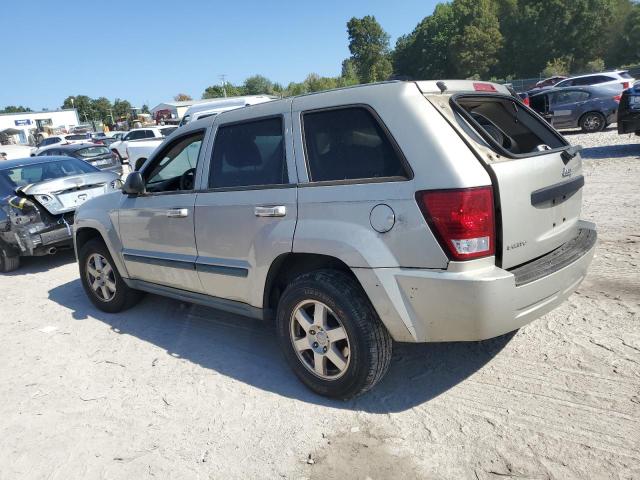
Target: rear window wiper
{"x":570,"y":152}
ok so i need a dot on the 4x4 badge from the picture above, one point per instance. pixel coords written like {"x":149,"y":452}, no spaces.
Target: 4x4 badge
{"x":566,"y":172}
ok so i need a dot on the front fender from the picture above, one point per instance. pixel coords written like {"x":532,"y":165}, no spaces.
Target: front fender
{"x":101,"y":215}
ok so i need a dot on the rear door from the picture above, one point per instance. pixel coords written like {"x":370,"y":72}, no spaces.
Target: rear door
{"x":537,"y":184}
{"x":246,"y":209}
{"x":567,"y":106}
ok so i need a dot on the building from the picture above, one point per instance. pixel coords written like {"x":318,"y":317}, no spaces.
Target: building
{"x":173,"y":110}
{"x":17,"y":127}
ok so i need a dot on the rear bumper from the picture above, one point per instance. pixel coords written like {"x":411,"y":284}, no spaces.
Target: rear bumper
{"x":475,"y":304}
{"x":41,"y":242}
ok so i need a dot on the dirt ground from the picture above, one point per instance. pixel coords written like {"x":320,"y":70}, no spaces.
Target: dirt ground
{"x":171,"y":390}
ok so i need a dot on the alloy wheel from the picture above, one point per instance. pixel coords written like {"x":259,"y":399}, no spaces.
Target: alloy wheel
{"x":320,"y":340}
{"x":101,"y":277}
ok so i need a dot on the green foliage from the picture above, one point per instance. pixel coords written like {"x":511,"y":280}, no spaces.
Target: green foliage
{"x":595,"y":65}
{"x":145,"y":108}
{"x":258,"y":85}
{"x":15,"y":109}
{"x":121,"y":108}
{"x":101,"y":109}
{"x":557,"y":66}
{"x":182,"y":97}
{"x":216,"y":91}
{"x":369,"y":47}
{"x":82,"y":103}
{"x":510,"y":38}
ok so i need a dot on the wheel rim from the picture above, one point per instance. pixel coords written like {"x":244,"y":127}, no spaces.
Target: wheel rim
{"x":320,"y":340}
{"x":101,"y":277}
{"x":592,"y":122}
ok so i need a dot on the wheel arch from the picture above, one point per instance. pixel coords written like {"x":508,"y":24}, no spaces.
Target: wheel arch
{"x":289,"y":265}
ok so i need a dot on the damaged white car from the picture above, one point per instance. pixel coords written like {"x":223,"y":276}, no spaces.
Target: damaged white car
{"x":38,"y":199}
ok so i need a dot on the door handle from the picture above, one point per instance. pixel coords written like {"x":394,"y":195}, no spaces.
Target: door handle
{"x":277,"y":211}
{"x":178,"y":213}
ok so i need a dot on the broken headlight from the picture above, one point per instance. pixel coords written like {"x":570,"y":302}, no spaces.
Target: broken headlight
{"x":49,"y":202}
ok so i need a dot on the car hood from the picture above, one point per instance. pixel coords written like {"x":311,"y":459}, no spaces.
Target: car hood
{"x":67,"y":183}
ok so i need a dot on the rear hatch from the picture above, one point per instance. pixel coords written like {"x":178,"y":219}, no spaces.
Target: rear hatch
{"x":536,"y":174}
{"x":97,"y":155}
{"x":629,"y":111}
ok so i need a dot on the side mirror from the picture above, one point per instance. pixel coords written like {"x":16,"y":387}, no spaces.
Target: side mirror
{"x":134,"y":185}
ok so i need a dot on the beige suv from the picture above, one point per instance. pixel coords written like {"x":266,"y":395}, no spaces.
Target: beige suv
{"x":352,"y":218}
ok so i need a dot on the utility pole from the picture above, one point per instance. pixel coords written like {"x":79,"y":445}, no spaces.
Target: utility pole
{"x":224,"y":90}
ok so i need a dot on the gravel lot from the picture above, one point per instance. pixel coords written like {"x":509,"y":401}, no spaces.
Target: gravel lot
{"x":171,"y":390}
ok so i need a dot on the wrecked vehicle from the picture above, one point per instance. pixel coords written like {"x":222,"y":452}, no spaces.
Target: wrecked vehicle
{"x":38,"y":199}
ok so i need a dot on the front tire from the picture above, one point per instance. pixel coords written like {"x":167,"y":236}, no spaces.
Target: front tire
{"x":8,"y":263}
{"x":593,"y":122}
{"x":331,"y":336}
{"x":101,"y":281}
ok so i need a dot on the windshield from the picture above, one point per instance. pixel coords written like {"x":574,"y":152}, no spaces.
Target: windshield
{"x":77,"y":137}
{"x":41,"y":172}
{"x":91,"y":152}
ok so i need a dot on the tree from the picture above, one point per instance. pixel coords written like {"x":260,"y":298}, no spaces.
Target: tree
{"x":101,"y":109}
{"x":121,"y":108}
{"x":82,"y":104}
{"x":595,"y":65}
{"x":369,"y":47}
{"x":145,"y":108}
{"x":557,"y":66}
{"x":216,"y":91}
{"x":182,"y":97}
{"x":477,"y":41}
{"x":258,"y":85}
{"x":15,"y":109}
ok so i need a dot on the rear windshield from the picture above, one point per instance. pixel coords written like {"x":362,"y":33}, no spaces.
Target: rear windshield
{"x":625,"y":75}
{"x":41,"y":172}
{"x":91,"y":152}
{"x":83,"y":136}
{"x":167,"y":131}
{"x":508,"y":126}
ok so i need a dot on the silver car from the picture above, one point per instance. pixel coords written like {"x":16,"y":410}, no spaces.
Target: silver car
{"x":400,"y":211}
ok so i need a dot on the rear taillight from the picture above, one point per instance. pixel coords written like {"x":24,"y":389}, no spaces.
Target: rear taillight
{"x":617,"y":98}
{"x":526,"y":101}
{"x":625,"y":85}
{"x":462,"y":220}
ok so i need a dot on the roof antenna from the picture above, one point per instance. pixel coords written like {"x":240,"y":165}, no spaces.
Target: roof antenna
{"x":441,"y":85}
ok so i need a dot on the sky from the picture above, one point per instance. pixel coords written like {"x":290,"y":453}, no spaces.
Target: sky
{"x":148,"y":51}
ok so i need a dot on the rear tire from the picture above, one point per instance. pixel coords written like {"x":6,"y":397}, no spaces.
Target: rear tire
{"x":331,"y":336}
{"x":8,"y":263}
{"x":592,"y":122}
{"x":101,"y":281}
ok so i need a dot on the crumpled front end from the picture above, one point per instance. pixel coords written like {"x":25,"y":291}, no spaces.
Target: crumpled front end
{"x":32,"y":231}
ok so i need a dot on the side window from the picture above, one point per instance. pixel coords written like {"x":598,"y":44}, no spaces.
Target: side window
{"x":349,"y":144}
{"x":249,"y":154}
{"x":175,"y":169}
{"x":149,"y":134}
{"x":135,"y":135}
{"x":570,"y":97}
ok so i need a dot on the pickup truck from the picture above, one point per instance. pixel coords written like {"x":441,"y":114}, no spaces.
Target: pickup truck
{"x":120,"y":148}
{"x":138,"y":151}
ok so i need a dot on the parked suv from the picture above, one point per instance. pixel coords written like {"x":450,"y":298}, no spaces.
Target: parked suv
{"x":406,"y":211}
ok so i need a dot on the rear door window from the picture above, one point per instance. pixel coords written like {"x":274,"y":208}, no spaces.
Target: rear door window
{"x":249,"y":154}
{"x":572,"y":96}
{"x":506,"y":126}
{"x":349,"y":144}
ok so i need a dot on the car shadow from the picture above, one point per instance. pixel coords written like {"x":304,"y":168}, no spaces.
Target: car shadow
{"x":611,"y":151}
{"x":32,"y":265}
{"x":247,"y":351}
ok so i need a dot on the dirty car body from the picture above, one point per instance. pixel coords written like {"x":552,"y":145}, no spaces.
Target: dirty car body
{"x":38,"y":199}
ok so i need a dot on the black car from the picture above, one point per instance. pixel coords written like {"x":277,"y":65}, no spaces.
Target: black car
{"x":97,"y":155}
{"x":629,"y":111}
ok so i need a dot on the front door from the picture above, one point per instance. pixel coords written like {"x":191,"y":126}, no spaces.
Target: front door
{"x":245,"y":212}
{"x":157,"y":228}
